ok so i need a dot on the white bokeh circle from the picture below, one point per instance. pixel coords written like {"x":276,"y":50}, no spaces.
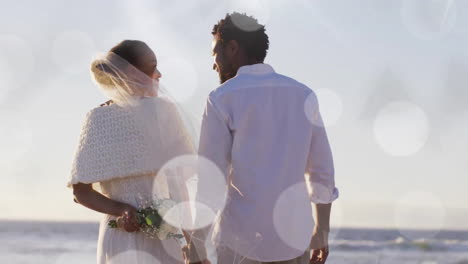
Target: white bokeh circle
{"x":211,"y":191}
{"x":259,"y":9}
{"x":290,"y":213}
{"x":311,"y":110}
{"x":179,"y":78}
{"x":16,"y":63}
{"x":330,"y":107}
{"x":419,"y":210}
{"x":401,"y":128}
{"x":176,"y":216}
{"x":429,"y":19}
{"x":133,"y":256}
{"x":176,"y":251}
{"x":16,"y":138}
{"x":72,"y":51}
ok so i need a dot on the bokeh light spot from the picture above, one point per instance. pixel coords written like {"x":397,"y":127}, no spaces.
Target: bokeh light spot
{"x":401,"y":128}
{"x":287,"y":218}
{"x":210,"y":193}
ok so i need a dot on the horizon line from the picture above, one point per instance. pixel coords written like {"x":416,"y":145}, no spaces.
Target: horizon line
{"x":332,"y":227}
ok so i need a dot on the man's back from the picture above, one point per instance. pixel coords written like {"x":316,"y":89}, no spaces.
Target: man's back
{"x":257,"y":131}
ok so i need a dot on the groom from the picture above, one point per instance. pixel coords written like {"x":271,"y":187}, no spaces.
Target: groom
{"x":264,"y":132}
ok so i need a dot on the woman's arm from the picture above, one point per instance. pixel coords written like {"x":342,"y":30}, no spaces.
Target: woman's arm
{"x":90,"y":198}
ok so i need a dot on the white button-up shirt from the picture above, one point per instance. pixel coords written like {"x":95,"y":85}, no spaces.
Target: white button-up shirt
{"x":264,"y":132}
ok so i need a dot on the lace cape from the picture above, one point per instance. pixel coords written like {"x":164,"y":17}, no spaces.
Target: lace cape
{"x":118,"y":142}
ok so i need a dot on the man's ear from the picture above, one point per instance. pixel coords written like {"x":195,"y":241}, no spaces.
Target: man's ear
{"x":232,"y":48}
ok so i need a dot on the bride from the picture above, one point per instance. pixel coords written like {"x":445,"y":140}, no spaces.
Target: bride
{"x":123,"y":145}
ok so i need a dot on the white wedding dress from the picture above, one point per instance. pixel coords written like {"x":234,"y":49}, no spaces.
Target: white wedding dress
{"x":116,"y":245}
{"x":122,"y":151}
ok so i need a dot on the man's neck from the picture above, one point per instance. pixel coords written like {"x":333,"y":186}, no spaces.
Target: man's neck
{"x":247,"y":62}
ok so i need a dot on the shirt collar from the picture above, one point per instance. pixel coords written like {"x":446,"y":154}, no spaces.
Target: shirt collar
{"x":256,"y":69}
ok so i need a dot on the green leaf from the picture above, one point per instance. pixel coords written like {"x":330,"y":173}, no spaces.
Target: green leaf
{"x":153,"y":220}
{"x":112,"y":224}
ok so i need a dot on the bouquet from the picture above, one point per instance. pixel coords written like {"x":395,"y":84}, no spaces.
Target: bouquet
{"x":150,"y":218}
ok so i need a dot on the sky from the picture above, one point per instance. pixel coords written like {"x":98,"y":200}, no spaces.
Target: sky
{"x":390,"y":76}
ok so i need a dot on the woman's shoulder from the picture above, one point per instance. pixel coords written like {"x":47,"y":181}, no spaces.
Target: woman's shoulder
{"x":99,"y":110}
{"x":103,"y":121}
{"x":102,"y":113}
{"x":107,"y":112}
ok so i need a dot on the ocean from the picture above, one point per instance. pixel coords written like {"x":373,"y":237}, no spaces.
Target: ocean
{"x":70,"y":243}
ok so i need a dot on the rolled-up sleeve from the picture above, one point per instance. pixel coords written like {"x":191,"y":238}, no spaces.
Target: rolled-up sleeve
{"x":320,"y":168}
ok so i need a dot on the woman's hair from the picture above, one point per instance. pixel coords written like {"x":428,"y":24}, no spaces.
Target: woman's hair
{"x":119,"y":72}
{"x":131,"y":51}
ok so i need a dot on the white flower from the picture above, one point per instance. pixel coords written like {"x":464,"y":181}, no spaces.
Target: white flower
{"x":163,"y":232}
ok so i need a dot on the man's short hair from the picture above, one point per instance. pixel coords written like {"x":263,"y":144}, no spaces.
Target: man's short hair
{"x":246,"y":31}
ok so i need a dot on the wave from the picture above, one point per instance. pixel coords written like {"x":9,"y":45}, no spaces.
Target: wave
{"x":402,"y":243}
{"x":17,"y":233}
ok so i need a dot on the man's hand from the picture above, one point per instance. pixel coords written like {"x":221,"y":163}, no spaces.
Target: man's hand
{"x":319,"y":256}
{"x":319,"y":246}
{"x":319,"y":243}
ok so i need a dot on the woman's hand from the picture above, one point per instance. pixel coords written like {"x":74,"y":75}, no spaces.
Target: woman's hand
{"x":125,"y":213}
{"x":128,"y":219}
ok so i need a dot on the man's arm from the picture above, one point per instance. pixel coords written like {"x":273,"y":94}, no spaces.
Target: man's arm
{"x":320,"y":168}
{"x":322,"y":226}
{"x":321,"y":179}
{"x":216,"y":146}
{"x":319,"y":243}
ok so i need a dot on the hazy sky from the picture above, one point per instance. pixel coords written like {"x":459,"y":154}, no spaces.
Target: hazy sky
{"x":391,"y":76}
